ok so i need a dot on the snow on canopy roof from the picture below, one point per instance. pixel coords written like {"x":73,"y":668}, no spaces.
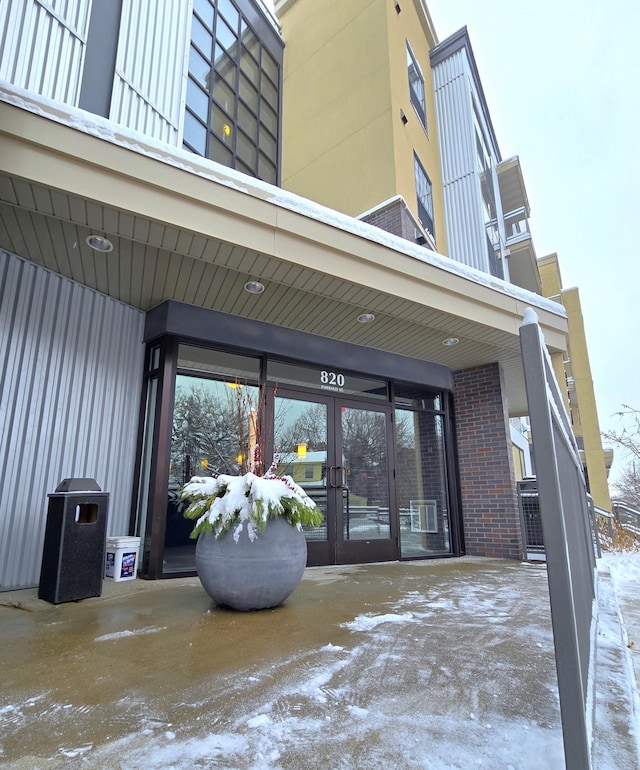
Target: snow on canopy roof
{"x":107,"y":130}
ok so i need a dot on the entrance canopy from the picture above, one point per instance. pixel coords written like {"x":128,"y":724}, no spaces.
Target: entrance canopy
{"x":185,"y":228}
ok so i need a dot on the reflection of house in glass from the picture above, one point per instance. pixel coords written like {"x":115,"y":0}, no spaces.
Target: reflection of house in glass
{"x":362,"y":515}
{"x":308,"y":469}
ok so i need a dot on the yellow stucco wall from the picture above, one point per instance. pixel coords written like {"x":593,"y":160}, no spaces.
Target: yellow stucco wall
{"x":409,"y":26}
{"x":585,"y":416}
{"x":345,"y":82}
{"x":550,"y":275}
{"x":337,"y":139}
{"x":581,"y":368}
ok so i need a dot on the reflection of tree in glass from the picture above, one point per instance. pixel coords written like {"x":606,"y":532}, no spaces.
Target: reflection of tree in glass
{"x":293,"y":427}
{"x":364,"y":438}
{"x":405,"y":429}
{"x":364,"y":443}
{"x":206,"y":434}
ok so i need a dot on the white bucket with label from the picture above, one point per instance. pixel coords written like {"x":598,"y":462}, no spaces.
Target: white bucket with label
{"x":122,"y":558}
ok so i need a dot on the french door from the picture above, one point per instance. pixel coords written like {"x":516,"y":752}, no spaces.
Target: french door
{"x":340,"y":451}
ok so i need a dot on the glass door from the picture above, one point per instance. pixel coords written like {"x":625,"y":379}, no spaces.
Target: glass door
{"x":339,"y":453}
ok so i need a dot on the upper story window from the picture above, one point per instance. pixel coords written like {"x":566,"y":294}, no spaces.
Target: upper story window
{"x":232,"y":105}
{"x":424,"y":194}
{"x":416,"y":86}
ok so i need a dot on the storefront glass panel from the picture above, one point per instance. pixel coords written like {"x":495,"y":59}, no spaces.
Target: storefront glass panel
{"x":214,"y":430}
{"x":421,"y":484}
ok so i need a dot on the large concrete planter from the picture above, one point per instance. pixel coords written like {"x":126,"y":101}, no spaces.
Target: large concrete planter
{"x":252,"y":575}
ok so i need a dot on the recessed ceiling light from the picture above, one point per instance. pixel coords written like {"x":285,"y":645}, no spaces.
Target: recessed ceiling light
{"x":450,"y":341}
{"x":254,"y":287}
{"x":98,"y":243}
{"x":366,"y":318}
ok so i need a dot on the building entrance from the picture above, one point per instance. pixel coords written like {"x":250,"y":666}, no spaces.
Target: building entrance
{"x":339,"y":450}
{"x":374,"y":453}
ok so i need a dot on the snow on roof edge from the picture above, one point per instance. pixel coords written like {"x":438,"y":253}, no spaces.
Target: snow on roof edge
{"x":107,"y":130}
{"x":381,"y":206}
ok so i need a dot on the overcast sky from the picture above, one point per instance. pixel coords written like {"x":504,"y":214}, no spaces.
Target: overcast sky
{"x":561,"y":78}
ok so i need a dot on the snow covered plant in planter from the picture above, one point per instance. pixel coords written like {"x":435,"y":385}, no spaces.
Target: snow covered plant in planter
{"x":251,"y":551}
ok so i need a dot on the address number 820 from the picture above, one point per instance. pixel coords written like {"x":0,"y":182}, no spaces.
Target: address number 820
{"x":332,"y":378}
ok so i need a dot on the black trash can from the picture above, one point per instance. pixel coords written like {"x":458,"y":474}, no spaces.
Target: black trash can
{"x":74,"y":542}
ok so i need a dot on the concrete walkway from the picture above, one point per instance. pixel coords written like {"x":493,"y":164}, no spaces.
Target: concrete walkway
{"x":446,"y":664}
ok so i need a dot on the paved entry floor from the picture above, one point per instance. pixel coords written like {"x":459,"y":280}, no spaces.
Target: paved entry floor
{"x":445,"y":664}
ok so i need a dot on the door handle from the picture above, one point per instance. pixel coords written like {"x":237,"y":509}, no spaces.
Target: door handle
{"x":337,"y":476}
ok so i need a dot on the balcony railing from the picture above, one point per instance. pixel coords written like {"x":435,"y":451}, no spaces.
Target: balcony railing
{"x":516,"y":226}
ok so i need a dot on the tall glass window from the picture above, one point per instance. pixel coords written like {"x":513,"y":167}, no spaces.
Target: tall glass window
{"x":215,"y":430}
{"x":425,"y":197}
{"x":232,"y":106}
{"x":300,"y":437}
{"x":421,"y":476}
{"x":416,"y":86}
{"x":151,"y":399}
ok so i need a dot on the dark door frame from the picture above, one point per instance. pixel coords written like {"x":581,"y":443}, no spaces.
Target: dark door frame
{"x":337,"y":550}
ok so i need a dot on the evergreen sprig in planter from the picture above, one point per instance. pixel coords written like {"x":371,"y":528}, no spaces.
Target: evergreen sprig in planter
{"x":251,"y":551}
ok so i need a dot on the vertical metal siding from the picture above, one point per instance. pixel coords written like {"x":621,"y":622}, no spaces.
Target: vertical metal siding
{"x":462,"y":194}
{"x":70,"y":379}
{"x":150,"y":67}
{"x":42,"y":46}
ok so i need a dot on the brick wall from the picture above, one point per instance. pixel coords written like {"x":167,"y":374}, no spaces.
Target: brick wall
{"x":487,"y":481}
{"x":394,"y":218}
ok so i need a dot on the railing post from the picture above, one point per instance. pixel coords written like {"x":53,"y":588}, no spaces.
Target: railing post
{"x":553,"y":450}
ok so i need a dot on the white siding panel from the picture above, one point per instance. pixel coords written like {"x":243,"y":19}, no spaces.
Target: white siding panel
{"x":42,"y":46}
{"x":462,"y":195}
{"x":150,"y":67}
{"x":70,"y":380}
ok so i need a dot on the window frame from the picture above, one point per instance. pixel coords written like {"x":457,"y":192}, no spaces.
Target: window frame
{"x":418,"y":100}
{"x":424,"y":200}
{"x":252,"y":150}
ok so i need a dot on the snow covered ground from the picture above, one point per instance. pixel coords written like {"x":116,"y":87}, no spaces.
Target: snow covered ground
{"x":388,"y":692}
{"x":397,"y":666}
{"x":617,"y":706}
